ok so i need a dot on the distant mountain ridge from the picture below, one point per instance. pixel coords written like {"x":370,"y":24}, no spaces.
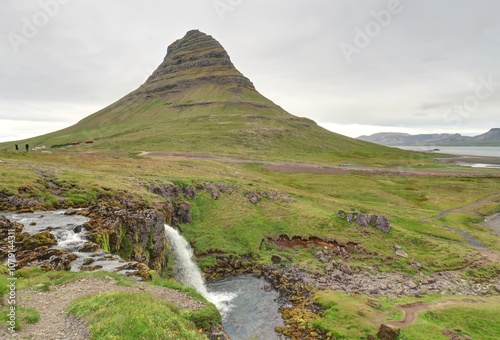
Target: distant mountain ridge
{"x":490,"y":138}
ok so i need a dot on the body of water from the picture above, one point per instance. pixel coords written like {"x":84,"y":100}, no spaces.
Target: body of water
{"x":248,"y":311}
{"x":485,"y":151}
{"x":253,"y":312}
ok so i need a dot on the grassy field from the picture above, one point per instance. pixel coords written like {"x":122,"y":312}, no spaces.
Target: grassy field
{"x":301,"y":204}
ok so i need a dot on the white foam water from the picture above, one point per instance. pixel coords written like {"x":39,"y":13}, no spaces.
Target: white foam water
{"x":187,"y":272}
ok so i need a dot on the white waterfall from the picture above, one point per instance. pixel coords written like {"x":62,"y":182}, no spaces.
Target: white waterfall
{"x":187,"y":272}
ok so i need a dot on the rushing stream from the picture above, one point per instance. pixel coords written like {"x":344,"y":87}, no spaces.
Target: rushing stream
{"x":70,"y":235}
{"x":248,"y":311}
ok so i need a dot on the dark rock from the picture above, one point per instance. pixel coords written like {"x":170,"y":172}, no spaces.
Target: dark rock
{"x":46,"y":258}
{"x":382,"y":224}
{"x":77,"y":229}
{"x":345,"y":268}
{"x":168,"y":191}
{"x":89,"y":247}
{"x":28,"y":204}
{"x":364,"y":220}
{"x":222,"y":187}
{"x":33,"y":223}
{"x":388,"y":332}
{"x":146,"y":229}
{"x":276,"y":259}
{"x":6,"y":225}
{"x":88,"y":261}
{"x":90,"y":268}
{"x":38,"y":240}
{"x":183,"y":212}
{"x":213,"y":191}
{"x":253,"y":197}
{"x":189,"y":192}
{"x":350,"y":217}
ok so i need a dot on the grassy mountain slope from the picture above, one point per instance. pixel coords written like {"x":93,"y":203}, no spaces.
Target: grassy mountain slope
{"x":197,"y":101}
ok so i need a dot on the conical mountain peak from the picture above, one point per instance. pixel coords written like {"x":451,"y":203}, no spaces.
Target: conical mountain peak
{"x":196,"y":101}
{"x":195,"y":59}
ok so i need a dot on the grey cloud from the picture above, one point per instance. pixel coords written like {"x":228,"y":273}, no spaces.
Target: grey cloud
{"x":426,"y":60}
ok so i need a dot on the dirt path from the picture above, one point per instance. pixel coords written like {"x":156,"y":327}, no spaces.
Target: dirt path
{"x":470,"y":208}
{"x":55,"y":323}
{"x":412,"y":310}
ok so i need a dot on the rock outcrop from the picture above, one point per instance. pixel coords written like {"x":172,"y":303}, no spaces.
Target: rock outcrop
{"x":195,"y":60}
{"x":129,"y":229}
{"x":10,"y":201}
{"x":364,"y":220}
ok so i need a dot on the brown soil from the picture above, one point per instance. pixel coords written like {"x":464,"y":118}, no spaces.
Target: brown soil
{"x":55,"y":323}
{"x":412,"y":310}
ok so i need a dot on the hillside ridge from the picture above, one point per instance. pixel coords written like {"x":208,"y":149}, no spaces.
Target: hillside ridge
{"x":492,"y":137}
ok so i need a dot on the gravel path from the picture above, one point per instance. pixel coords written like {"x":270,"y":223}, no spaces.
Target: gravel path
{"x":55,"y":323}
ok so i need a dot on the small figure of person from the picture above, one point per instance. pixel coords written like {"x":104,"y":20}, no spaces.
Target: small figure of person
{"x":27,"y":147}
{"x":17,"y":147}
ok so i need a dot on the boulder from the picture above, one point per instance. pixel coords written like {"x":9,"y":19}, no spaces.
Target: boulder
{"x":253,"y":197}
{"x":364,"y":220}
{"x":276,"y":259}
{"x":388,"y":332}
{"x":382,"y":224}
{"x":89,"y":247}
{"x":38,"y":240}
{"x":70,"y":211}
{"x":189,"y":192}
{"x":401,"y":253}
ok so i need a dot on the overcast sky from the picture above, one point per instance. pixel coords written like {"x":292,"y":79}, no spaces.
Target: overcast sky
{"x":354,"y":66}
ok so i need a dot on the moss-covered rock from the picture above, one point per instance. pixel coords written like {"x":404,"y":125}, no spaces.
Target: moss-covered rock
{"x":38,"y":240}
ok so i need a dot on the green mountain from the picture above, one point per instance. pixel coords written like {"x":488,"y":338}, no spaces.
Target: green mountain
{"x":197,"y":101}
